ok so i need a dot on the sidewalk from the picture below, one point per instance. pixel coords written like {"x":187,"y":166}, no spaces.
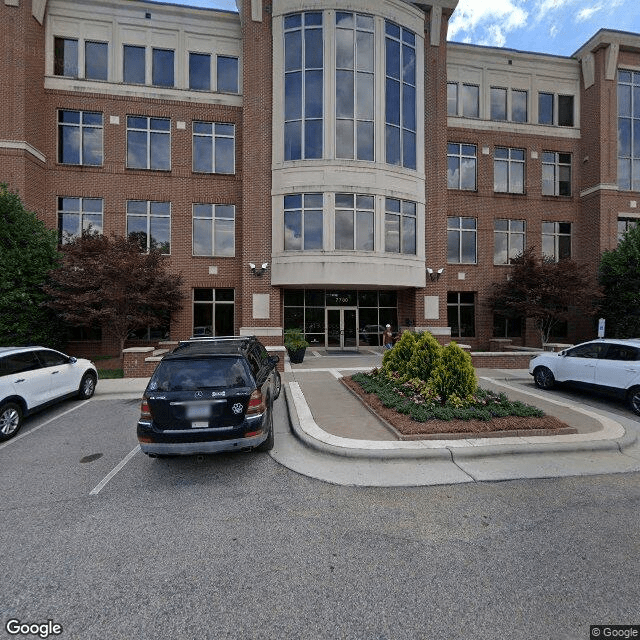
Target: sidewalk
{"x":325,"y":415}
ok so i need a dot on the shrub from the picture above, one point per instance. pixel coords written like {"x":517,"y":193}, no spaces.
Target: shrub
{"x":454,"y":374}
{"x":396,"y":360}
{"x":425,"y":357}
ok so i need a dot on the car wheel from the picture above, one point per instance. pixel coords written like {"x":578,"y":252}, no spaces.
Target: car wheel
{"x":267,"y":445}
{"x":277,"y":386}
{"x":10,"y":420}
{"x":87,"y":386}
{"x":633,"y":397}
{"x":543,"y":378}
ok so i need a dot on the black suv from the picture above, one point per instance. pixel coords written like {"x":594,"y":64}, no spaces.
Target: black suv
{"x":210,"y":395}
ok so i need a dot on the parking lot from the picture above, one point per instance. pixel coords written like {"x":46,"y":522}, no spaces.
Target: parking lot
{"x":113,"y":545}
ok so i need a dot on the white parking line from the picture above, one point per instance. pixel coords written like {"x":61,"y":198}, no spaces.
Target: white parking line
{"x":44,"y":424}
{"x":96,"y":490}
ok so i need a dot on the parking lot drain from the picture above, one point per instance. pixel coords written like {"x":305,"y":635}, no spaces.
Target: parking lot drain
{"x":91,"y":458}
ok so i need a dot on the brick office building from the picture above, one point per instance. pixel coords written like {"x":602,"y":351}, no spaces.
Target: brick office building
{"x":382,"y":174}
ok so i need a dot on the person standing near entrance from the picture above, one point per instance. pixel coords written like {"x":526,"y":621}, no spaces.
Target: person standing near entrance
{"x":387,"y":337}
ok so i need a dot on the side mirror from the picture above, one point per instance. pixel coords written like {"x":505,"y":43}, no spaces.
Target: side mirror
{"x":274,"y":360}
{"x":73,"y":360}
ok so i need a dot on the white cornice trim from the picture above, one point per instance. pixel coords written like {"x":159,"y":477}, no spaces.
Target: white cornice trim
{"x":599,"y":187}
{"x":22,"y":146}
{"x":457,"y":122}
{"x":37,"y":9}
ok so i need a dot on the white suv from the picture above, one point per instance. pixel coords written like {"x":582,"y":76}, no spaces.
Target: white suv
{"x":608,"y":365}
{"x":33,"y":377}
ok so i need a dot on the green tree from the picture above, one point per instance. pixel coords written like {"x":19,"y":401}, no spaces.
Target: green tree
{"x":546,"y":292}
{"x":107,"y":281}
{"x":425,"y":356}
{"x":453,"y":374}
{"x":619,"y":276}
{"x":397,"y":360}
{"x":28,"y":252}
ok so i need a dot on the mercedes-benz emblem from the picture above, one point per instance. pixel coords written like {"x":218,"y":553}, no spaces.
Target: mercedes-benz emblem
{"x":199,"y":394}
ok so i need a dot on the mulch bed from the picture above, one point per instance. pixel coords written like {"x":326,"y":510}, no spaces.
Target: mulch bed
{"x":409,"y":429}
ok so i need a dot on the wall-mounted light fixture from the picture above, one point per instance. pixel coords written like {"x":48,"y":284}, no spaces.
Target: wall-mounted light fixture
{"x":258,"y":271}
{"x":435,"y":275}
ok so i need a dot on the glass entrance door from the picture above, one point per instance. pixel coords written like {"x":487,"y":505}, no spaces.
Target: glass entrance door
{"x":342,"y":328}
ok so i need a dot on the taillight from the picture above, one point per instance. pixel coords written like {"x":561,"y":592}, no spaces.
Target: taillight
{"x":145,"y":412}
{"x":256,"y":403}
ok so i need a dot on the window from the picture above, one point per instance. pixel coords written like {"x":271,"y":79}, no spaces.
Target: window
{"x":470,"y":101}
{"x":461,"y":240}
{"x":400,"y":226}
{"x":547,"y":102}
{"x":461,"y":313}
{"x":463,"y":100}
{"x":509,"y":236}
{"x":96,"y":60}
{"x":133,"y":71}
{"x":200,"y":71}
{"x":508,"y":170}
{"x":80,"y":137}
{"x":354,"y":222}
{"x":148,"y":143}
{"x":303,"y":86}
{"x":354,"y":86}
{"x":452,"y":98}
{"x":303,"y":222}
{"x":515,"y":110}
{"x":519,"y":106}
{"x":624,"y":224}
{"x":556,"y":174}
{"x":504,"y":327}
{"x":227,"y":74}
{"x":214,"y":147}
{"x":400,"y":94}
{"x":150,"y":224}
{"x":214,"y":230}
{"x":498,"y":103}
{"x":162,"y":68}
{"x":461,"y":166}
{"x":213,"y":311}
{"x":78,"y":215}
{"x":556,"y":240}
{"x":629,"y":130}
{"x":65,"y":57}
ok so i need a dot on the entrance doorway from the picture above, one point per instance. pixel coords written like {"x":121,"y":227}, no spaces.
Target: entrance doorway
{"x":342,"y":328}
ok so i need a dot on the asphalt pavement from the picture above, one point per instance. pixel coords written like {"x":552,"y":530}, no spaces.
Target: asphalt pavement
{"x":330,"y":435}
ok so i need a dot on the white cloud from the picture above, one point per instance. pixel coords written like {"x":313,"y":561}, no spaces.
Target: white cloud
{"x":491,"y":19}
{"x":587,"y":12}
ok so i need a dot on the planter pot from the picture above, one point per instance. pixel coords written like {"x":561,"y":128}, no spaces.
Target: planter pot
{"x":297,"y":356}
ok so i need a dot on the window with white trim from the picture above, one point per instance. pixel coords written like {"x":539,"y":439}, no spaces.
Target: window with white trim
{"x":214,"y":229}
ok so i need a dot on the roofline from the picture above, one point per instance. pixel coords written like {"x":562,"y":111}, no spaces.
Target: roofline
{"x":605,"y":37}
{"x":454,"y":43}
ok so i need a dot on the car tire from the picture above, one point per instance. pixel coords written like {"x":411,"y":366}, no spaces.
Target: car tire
{"x":543,"y":378}
{"x":10,"y":420}
{"x":267,"y":445}
{"x":277,"y":387}
{"x":87,"y":386}
{"x":633,"y":398}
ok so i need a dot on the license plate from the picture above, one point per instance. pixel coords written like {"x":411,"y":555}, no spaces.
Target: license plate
{"x":198,"y":411}
{"x":199,"y":425}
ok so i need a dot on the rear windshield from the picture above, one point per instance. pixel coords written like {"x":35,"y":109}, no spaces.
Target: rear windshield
{"x":193,"y":374}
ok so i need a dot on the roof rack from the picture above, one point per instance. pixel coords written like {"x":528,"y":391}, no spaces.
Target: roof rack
{"x":216,"y":339}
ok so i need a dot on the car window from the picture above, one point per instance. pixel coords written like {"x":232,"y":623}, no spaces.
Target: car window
{"x":254,"y":361}
{"x":590,"y":350}
{"x":51,"y":358}
{"x":622,"y":352}
{"x":193,"y":374}
{"x":21,"y":362}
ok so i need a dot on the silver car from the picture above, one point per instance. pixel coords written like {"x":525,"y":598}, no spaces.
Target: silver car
{"x":608,"y":365}
{"x":34,"y":377}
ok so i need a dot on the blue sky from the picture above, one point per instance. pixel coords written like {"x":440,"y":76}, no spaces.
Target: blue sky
{"x":558,"y":27}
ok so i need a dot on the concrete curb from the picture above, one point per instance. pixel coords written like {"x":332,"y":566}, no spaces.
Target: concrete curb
{"x":612,"y":438}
